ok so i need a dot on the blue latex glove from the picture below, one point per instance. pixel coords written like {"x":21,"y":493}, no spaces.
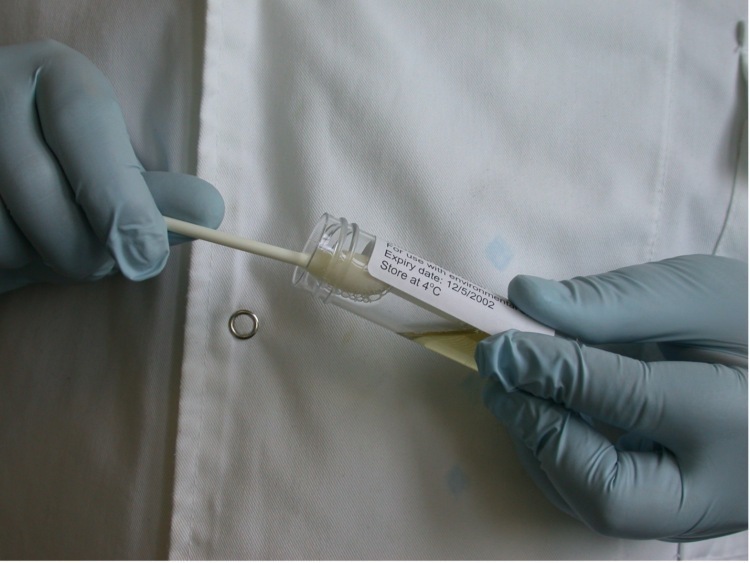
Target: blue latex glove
{"x":76,"y":203}
{"x":676,"y":468}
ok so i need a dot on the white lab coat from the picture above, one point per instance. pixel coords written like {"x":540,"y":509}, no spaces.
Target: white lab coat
{"x":491,"y":138}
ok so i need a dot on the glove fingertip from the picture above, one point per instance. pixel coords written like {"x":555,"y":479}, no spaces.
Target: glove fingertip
{"x":494,"y":356}
{"x":141,"y":251}
{"x":187,"y":198}
{"x":538,"y":297}
{"x":483,"y":356}
{"x":208,"y":205}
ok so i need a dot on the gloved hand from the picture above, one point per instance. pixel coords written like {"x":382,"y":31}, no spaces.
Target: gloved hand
{"x":676,"y":468}
{"x":76,"y":203}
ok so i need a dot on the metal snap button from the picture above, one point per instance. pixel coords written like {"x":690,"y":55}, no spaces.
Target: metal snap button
{"x":238,"y":324}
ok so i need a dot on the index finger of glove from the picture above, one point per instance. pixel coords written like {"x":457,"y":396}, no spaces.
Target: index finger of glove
{"x":83,"y":125}
{"x":700,"y":300}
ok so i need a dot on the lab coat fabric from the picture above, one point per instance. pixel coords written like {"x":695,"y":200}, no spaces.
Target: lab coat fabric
{"x":492,"y":138}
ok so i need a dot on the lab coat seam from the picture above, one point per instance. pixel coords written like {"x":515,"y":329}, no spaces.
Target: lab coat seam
{"x":201,"y":415}
{"x":202,"y":406}
{"x":662,"y":170}
{"x":207,"y":303}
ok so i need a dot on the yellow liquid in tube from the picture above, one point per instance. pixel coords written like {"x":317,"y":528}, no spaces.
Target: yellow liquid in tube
{"x":346,"y":271}
{"x":457,"y":345}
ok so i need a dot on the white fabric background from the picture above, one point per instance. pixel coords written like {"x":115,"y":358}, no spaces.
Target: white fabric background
{"x":491,"y":138}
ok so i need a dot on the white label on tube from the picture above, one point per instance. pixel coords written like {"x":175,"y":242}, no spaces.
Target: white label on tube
{"x":447,"y":292}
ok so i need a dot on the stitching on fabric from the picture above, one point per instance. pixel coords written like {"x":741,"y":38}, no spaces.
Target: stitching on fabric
{"x":208,"y":305}
{"x":663,"y":165}
{"x":204,"y":370}
{"x":201,"y":416}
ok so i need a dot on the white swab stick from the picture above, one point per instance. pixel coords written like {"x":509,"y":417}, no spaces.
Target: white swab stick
{"x":254,"y":247}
